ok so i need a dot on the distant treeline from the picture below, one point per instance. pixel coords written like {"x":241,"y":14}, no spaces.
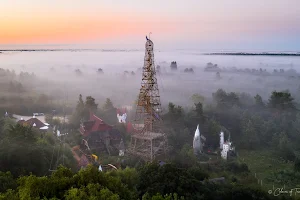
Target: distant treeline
{"x":104,"y":50}
{"x":255,"y":54}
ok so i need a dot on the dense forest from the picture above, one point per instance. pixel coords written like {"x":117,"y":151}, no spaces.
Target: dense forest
{"x":149,"y":182}
{"x":261,"y":130}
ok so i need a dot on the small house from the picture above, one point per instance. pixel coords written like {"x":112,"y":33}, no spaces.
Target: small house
{"x":99,"y":135}
{"x":35,"y":123}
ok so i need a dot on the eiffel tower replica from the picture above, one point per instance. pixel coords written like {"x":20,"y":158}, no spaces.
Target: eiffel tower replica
{"x":147,"y":139}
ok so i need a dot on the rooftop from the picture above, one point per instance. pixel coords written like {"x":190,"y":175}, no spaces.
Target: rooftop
{"x":20,"y":117}
{"x":34,"y":122}
{"x":94,"y":124}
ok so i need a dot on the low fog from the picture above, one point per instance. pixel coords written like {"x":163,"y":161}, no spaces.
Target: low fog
{"x":64,"y":75}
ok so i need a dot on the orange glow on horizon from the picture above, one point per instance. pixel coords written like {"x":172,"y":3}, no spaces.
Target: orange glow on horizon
{"x":38,"y":28}
{"x":75,"y":29}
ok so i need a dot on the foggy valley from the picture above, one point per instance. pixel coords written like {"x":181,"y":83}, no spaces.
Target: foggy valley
{"x":160,"y":100}
{"x":88,"y":111}
{"x":56,"y":74}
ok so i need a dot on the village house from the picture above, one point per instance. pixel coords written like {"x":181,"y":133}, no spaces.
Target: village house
{"x":35,"y":123}
{"x":100,"y":136}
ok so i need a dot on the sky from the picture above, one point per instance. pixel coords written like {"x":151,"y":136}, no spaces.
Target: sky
{"x":180,"y":24}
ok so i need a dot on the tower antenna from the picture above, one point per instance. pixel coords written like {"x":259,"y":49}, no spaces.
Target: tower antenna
{"x":149,"y":141}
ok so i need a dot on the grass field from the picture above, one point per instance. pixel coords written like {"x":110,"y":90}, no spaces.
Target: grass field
{"x":262,"y":164}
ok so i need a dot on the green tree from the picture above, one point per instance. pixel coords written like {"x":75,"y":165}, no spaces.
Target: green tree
{"x":245,"y":99}
{"x":285,"y":149}
{"x":233,"y":99}
{"x":80,"y":106}
{"x":128,"y":176}
{"x":5,"y":125}
{"x":108,"y":105}
{"x":174,"y":112}
{"x":23,"y":150}
{"x":220,"y":97}
{"x":168,"y":179}
{"x":297,"y":165}
{"x":259,"y":102}
{"x":281,"y":101}
{"x":214,"y":128}
{"x":76,"y":194}
{"x":296,"y":124}
{"x":225,"y":100}
{"x":250,"y":134}
{"x":162,"y":197}
{"x":199,"y":110}
{"x":186,"y":157}
{"x":79,"y":113}
{"x":7,"y":181}
{"x":9,"y":194}
{"x":22,"y":134}
{"x":90,"y":104}
{"x":178,"y":138}
{"x":108,"y":112}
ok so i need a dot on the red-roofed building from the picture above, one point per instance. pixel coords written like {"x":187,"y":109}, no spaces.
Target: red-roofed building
{"x":95,"y":124}
{"x":99,"y":135}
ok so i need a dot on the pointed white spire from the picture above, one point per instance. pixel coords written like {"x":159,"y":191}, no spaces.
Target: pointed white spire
{"x":197,"y":141}
{"x":221,"y":139}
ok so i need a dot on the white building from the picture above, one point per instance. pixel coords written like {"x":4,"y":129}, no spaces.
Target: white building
{"x":227,"y":148}
{"x":221,"y":139}
{"x":122,"y":114}
{"x":122,"y":118}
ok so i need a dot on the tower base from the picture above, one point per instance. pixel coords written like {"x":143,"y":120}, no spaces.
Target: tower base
{"x":148,"y":145}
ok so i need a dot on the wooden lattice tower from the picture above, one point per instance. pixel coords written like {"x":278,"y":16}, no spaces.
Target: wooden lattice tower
{"x":148,"y":104}
{"x":148,"y":142}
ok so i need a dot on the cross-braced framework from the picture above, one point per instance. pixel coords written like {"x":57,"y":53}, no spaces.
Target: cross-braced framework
{"x":148,"y":142}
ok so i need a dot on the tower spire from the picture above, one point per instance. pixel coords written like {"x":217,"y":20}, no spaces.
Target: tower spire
{"x":149,"y":141}
{"x":148,"y":106}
